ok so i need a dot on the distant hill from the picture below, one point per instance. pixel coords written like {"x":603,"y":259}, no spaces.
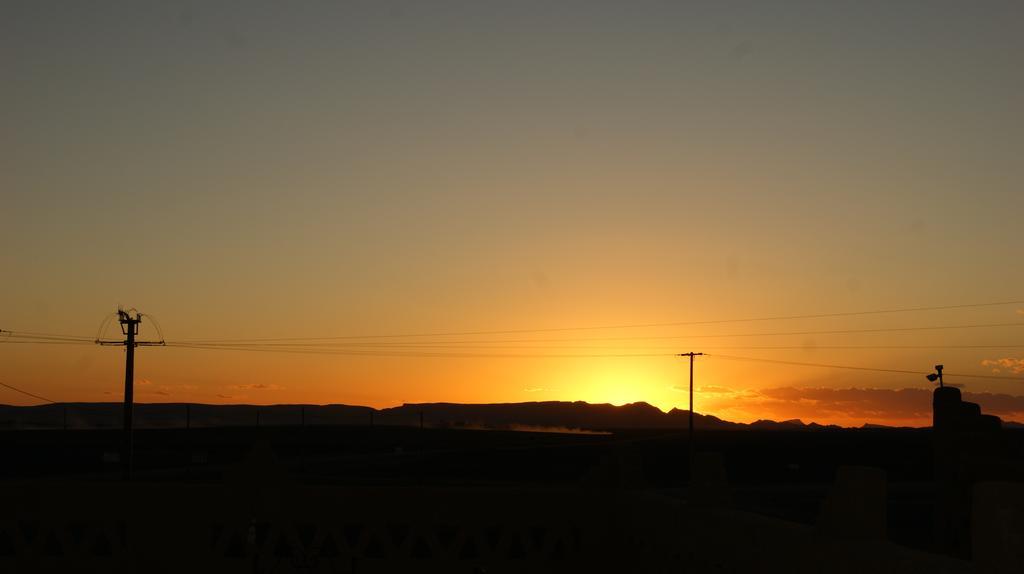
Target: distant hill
{"x":177,"y":415}
{"x":556,"y":416}
{"x":552,"y":414}
{"x":883,"y":427}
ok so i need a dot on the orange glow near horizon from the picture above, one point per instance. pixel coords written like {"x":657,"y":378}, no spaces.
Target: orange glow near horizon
{"x":731,"y":390}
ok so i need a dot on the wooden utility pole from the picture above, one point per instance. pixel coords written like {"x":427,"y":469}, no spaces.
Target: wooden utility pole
{"x":129,"y":328}
{"x":690,"y":431}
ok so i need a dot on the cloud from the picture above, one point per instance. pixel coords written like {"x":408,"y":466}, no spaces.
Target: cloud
{"x":258,"y":387}
{"x":852,"y":406}
{"x":1020,"y":311}
{"x":1015,"y":366}
{"x":225,"y":396}
{"x":159,"y":390}
{"x":1010,"y":407}
{"x":535,"y":389}
{"x":854,"y":402}
{"x":705,"y":390}
{"x":715,"y":390}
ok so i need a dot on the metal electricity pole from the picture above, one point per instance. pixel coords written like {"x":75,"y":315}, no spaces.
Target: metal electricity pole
{"x":690,"y":431}
{"x":129,"y":328}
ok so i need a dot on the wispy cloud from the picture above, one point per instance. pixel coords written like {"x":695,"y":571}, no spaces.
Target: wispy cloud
{"x":706,"y":390}
{"x":258,"y":387}
{"x":148,"y":387}
{"x":535,"y":390}
{"x":715,"y":390}
{"x":1015,"y":366}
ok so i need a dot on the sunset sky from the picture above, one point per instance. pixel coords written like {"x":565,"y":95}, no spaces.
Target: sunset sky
{"x":269,"y":170}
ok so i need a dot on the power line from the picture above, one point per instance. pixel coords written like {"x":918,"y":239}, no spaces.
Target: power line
{"x":364,"y":353}
{"x":622,"y":326}
{"x":44,"y":342}
{"x":733,"y":347}
{"x":271,"y":342}
{"x":560,"y":356}
{"x":52,"y":336}
{"x":18,"y":336}
{"x":13,"y":388}
{"x":400,"y":353}
{"x":35,"y":335}
{"x":417,"y":346}
{"x":856,"y":368}
{"x":36,"y":340}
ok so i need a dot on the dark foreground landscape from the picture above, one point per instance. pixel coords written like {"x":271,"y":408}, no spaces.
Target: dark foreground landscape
{"x":334,"y":489}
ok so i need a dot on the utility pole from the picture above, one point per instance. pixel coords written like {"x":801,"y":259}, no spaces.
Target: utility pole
{"x":690,"y":432}
{"x":129,"y":328}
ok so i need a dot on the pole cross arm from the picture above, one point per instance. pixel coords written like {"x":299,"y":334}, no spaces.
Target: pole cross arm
{"x":137,"y":343}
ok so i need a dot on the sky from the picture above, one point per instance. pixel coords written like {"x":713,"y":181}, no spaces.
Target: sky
{"x":267,"y":170}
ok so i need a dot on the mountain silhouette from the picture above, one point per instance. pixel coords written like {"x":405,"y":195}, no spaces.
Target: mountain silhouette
{"x":553,"y":414}
{"x":558,"y":416}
